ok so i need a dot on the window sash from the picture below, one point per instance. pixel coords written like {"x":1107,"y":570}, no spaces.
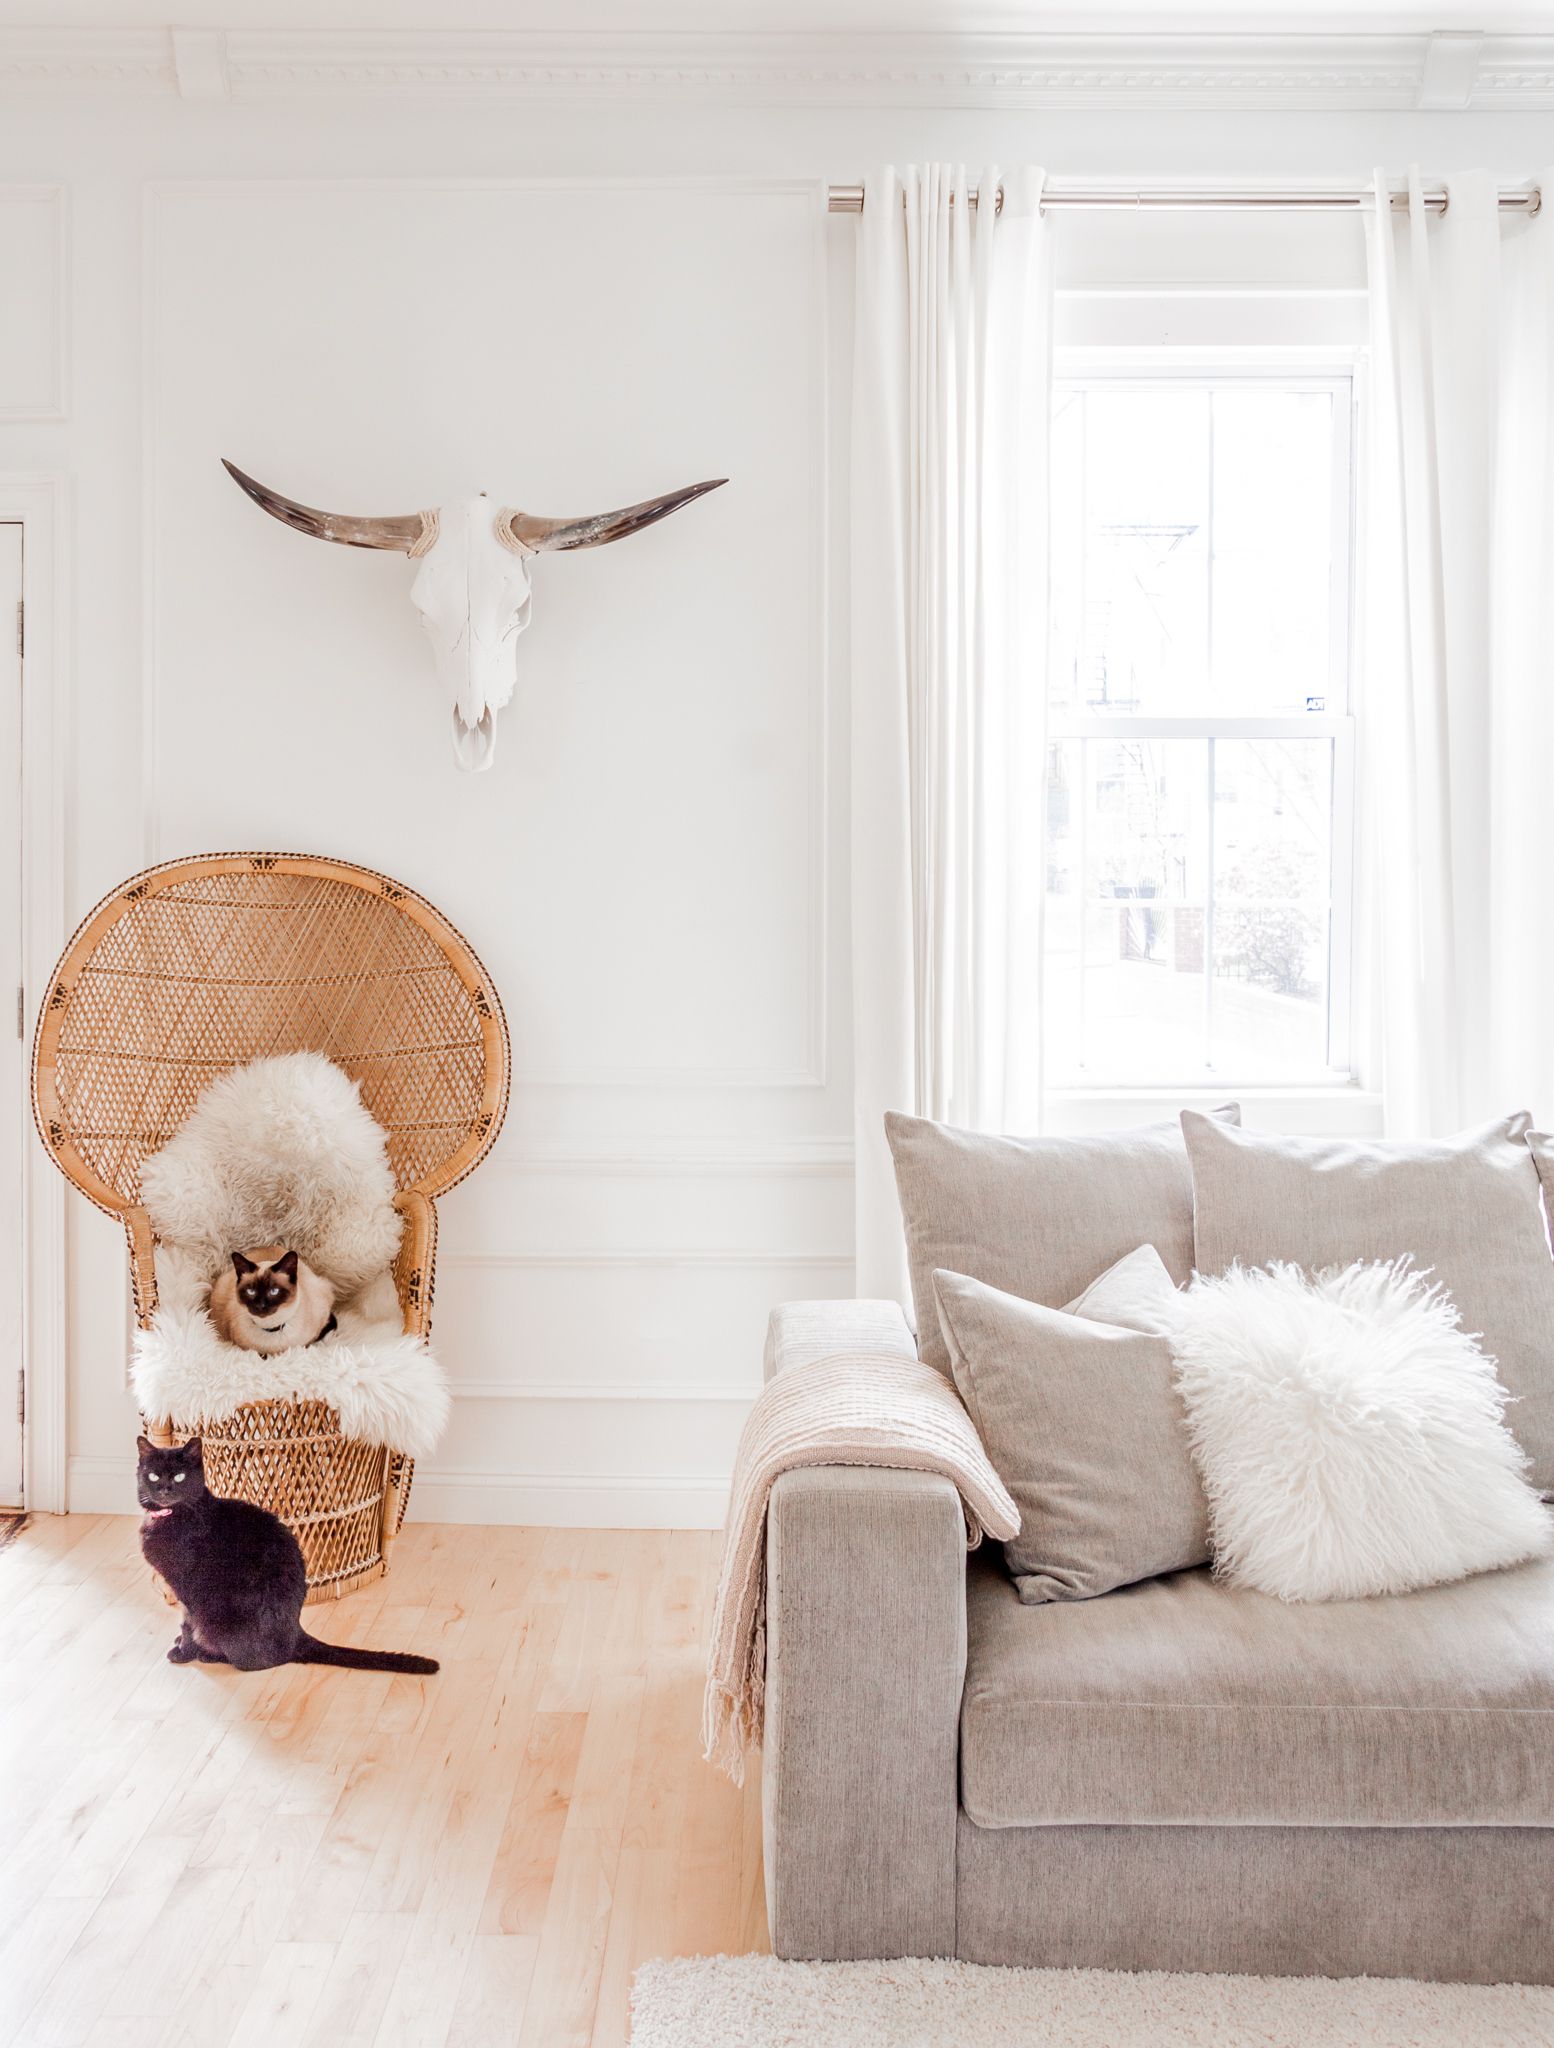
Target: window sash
{"x":1338,"y":1069}
{"x":1081,"y":370}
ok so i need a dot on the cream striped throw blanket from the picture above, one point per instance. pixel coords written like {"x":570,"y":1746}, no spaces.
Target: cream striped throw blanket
{"x":853,"y":1408}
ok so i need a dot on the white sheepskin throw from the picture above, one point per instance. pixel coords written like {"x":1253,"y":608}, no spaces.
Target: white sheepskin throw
{"x":388,"y":1387}
{"x":1349,"y":1433}
{"x":281,"y":1151}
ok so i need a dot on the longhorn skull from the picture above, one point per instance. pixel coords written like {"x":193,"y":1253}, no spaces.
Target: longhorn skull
{"x":472,"y":587}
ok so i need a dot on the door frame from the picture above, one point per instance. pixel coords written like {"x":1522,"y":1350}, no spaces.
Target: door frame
{"x":39,"y":503}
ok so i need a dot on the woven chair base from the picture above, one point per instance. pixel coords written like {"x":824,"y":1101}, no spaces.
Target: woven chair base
{"x":344,"y":1501}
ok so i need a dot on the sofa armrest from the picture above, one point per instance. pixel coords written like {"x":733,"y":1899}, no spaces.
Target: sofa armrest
{"x":802,"y":1331}
{"x":865,"y":1666}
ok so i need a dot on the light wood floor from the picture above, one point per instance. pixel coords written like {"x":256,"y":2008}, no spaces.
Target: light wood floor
{"x":197,"y":1857}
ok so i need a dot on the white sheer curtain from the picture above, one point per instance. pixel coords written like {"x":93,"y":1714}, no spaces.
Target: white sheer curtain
{"x":1457,"y":685}
{"x":951,"y":402}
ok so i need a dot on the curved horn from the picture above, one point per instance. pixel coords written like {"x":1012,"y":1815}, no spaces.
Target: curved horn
{"x":528,"y":532}
{"x":403,"y":535}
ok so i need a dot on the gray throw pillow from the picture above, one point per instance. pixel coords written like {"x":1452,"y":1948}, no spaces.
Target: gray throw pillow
{"x":1037,"y":1217}
{"x":1084,"y":1426}
{"x":1467,"y":1208}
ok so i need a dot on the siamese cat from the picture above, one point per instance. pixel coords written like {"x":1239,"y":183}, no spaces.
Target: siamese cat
{"x":271,"y":1300}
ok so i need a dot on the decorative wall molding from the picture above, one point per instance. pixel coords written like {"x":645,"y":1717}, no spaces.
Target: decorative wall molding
{"x":75,"y":60}
{"x":672,"y":1255}
{"x":1358,"y":72}
{"x":670,"y":1158}
{"x":1515,"y":72}
{"x":862,"y":69}
{"x":53,"y":403}
{"x":686,"y":1391}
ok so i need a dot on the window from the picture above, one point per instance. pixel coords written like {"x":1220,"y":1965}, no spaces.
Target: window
{"x":1199,"y":749}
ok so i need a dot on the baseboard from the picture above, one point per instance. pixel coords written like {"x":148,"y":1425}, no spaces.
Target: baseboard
{"x":535,"y":1500}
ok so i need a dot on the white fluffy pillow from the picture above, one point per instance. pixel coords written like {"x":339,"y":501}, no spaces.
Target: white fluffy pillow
{"x":1349,"y":1434}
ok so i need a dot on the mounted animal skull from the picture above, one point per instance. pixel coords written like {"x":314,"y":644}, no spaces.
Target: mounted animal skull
{"x":472,"y":588}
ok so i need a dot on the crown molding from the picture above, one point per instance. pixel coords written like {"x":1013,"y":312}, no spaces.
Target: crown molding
{"x":86,"y":60}
{"x":1515,"y":72}
{"x":1450,"y":70}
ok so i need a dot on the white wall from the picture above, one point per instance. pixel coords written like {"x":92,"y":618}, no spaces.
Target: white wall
{"x":376,"y":305}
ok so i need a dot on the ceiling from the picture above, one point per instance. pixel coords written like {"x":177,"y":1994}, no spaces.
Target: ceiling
{"x":719,"y":17}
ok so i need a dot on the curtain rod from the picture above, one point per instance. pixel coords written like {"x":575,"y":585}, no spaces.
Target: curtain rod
{"x":849,"y":199}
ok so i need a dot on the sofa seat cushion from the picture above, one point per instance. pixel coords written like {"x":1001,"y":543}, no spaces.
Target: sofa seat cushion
{"x":1184,"y":1702}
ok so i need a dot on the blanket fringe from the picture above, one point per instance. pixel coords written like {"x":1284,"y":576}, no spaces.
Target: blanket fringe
{"x":733,"y":1717}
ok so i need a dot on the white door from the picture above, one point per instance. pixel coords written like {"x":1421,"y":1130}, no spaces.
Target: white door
{"x":17,"y":1117}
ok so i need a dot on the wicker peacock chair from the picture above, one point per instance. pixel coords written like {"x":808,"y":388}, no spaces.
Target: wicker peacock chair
{"x":198,"y":966}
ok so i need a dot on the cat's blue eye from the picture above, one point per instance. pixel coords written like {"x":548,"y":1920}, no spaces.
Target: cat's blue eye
{"x":179,"y":1478}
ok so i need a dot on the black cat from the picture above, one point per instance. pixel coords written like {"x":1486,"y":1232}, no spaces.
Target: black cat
{"x":238,"y":1571}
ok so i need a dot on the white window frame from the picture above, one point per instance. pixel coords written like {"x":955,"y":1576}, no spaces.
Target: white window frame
{"x":1075,"y":1101}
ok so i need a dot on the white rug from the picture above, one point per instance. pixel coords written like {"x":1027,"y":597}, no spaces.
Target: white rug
{"x":758,"y":2002}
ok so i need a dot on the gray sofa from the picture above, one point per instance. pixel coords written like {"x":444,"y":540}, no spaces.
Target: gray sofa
{"x":1176,"y":1776}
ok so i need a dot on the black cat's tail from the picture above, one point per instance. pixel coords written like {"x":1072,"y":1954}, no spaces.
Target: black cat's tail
{"x":310,"y":1650}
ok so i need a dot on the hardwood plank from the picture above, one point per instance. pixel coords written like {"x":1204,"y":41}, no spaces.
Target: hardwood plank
{"x":667,"y":1773}
{"x":570,"y":1956}
{"x":350,"y":2007}
{"x":593,"y":1559}
{"x":526,"y":1856}
{"x":601,"y":1787}
{"x":754,"y":1936}
{"x":493,"y":1992}
{"x":122,"y":2033}
{"x":48,"y":1538}
{"x":636,"y":1615}
{"x":288,"y":1987}
{"x":408,"y":1845}
{"x":635,"y":1870}
{"x":36,"y":1948}
{"x":213,"y":2002}
{"x":143,"y":1901}
{"x":190,"y":1920}
{"x":709,"y":1863}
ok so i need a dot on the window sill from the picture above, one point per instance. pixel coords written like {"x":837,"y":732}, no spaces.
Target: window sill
{"x":1331,"y":1110}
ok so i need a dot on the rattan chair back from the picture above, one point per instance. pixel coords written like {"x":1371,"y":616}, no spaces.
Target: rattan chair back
{"x":202,"y":965}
